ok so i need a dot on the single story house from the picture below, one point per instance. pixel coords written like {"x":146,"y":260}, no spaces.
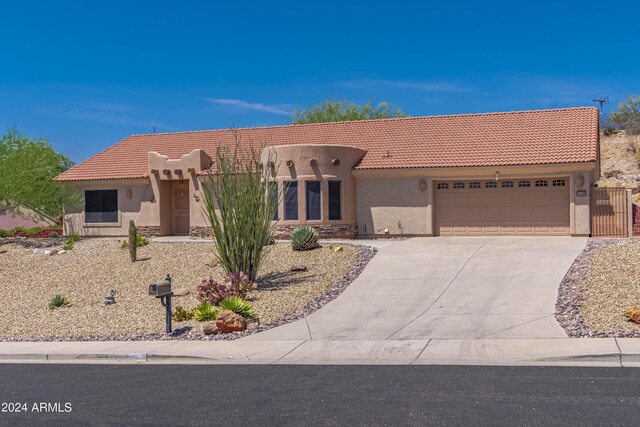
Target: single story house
{"x":511,"y":173}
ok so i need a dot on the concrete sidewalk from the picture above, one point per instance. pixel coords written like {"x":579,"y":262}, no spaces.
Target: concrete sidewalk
{"x":611,"y":352}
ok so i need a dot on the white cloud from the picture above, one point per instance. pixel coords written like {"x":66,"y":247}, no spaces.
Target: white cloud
{"x":257,"y":106}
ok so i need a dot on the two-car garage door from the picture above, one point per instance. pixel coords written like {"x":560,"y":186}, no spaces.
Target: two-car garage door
{"x":538,"y":206}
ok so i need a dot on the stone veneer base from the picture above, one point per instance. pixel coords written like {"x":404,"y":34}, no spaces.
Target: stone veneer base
{"x":331,"y":231}
{"x":148,"y":230}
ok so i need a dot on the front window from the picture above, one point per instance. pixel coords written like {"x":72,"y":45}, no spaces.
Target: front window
{"x":335,"y":208}
{"x":273,"y":197}
{"x":291,"y":200}
{"x":100,"y":206}
{"x":314,"y":208}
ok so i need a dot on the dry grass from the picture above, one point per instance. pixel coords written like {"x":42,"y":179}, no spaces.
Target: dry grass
{"x":95,"y":266}
{"x":611,"y":286}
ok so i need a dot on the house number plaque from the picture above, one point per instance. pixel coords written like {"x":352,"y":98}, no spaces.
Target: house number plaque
{"x":581,"y":193}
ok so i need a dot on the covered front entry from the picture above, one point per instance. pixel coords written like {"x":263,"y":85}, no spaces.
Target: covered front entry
{"x":528,"y":206}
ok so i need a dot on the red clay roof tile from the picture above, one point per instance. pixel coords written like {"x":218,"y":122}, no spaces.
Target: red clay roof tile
{"x":567,"y":135}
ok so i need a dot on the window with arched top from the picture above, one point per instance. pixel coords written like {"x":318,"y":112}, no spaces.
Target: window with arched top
{"x":458,"y":185}
{"x":490,"y":184}
{"x":443,"y":186}
{"x":524,"y":184}
{"x":559,"y":183}
{"x":474,"y":184}
{"x":507,"y":184}
{"x":542,"y":183}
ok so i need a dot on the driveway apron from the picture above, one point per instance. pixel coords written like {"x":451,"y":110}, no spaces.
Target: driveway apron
{"x":447,"y":288}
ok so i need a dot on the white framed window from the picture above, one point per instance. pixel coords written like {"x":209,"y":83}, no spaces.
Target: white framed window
{"x":542,"y":183}
{"x":524,"y":184}
{"x":458,"y":185}
{"x":474,"y":184}
{"x":490,"y":184}
{"x":443,"y":186}
{"x":507,"y":184}
{"x":559,"y":183}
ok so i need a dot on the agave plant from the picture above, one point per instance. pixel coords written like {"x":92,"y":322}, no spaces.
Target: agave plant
{"x":237,"y":305}
{"x":205,"y":311}
{"x":304,"y":238}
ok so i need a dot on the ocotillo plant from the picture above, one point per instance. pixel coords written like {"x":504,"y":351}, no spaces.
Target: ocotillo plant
{"x":133,"y":240}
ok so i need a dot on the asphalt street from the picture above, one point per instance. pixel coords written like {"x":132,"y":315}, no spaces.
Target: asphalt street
{"x":49,"y":394}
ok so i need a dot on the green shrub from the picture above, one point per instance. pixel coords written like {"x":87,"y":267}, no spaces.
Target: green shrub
{"x":58,"y":301}
{"x":74,"y":237}
{"x":68,"y":245}
{"x":140,"y":241}
{"x":54,"y":235}
{"x":181,"y":315}
{"x":19,"y":230}
{"x":612,"y":173}
{"x":240,"y":204}
{"x":304,"y":238}
{"x":205,"y":311}
{"x":237,"y":305}
{"x":33,"y":231}
{"x":5,"y":233}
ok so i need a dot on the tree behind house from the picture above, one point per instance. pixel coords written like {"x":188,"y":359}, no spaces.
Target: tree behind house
{"x":627,"y":116}
{"x":238,"y":209}
{"x":338,"y":111}
{"x":27,"y":169}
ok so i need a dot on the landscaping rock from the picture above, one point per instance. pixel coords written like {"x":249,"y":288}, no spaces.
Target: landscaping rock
{"x":181,"y":292}
{"x":210,"y":329}
{"x":228,"y":321}
{"x":52,"y":252}
{"x":62,"y":251}
{"x":298,"y":268}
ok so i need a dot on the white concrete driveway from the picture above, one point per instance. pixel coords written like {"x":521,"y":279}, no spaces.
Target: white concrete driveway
{"x":447,"y":288}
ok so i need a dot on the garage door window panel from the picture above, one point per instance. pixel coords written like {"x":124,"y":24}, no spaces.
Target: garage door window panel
{"x":542,"y":183}
{"x":507,"y":184}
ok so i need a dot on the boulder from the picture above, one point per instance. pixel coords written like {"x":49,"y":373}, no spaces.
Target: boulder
{"x":228,"y":321}
{"x":298,"y":268}
{"x":210,"y":329}
{"x":181,"y":292}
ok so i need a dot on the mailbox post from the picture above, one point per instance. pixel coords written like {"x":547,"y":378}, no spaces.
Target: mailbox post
{"x":163,"y":291}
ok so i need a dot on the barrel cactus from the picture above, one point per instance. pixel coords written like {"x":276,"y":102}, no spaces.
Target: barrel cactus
{"x":304,"y":238}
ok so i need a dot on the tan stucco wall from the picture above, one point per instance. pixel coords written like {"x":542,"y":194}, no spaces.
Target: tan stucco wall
{"x":324,"y":171}
{"x":388,"y":196}
{"x":393,"y":206}
{"x":129,"y":208}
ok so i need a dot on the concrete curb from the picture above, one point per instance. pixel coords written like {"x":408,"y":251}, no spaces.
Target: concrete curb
{"x":556,"y":352}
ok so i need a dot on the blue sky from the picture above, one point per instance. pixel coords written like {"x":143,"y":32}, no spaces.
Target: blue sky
{"x":87,"y":74}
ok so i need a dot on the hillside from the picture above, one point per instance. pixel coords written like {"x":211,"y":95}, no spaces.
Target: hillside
{"x":620,"y":156}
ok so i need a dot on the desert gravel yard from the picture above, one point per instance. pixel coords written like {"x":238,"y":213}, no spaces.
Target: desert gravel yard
{"x":602,"y":283}
{"x":86,"y":275}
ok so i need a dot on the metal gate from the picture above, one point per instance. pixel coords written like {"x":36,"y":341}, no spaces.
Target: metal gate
{"x":609,"y":212}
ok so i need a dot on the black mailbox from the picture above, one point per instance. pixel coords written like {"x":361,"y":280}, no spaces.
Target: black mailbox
{"x":160,"y":289}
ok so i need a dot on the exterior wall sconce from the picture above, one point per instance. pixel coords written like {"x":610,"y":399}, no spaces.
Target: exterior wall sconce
{"x":497,"y":176}
{"x":422,"y":185}
{"x":166,"y":172}
{"x":335,"y":162}
{"x":579,"y":181}
{"x":313,"y":162}
{"x":290,"y":163}
{"x":129,"y":193}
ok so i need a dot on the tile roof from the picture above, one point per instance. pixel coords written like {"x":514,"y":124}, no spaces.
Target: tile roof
{"x":568,"y":135}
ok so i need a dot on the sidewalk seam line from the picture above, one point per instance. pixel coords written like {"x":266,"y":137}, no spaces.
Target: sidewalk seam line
{"x":445,"y":290}
{"x":615,"y":339}
{"x":288,"y":353}
{"x":421,"y":351}
{"x":306,"y":322}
